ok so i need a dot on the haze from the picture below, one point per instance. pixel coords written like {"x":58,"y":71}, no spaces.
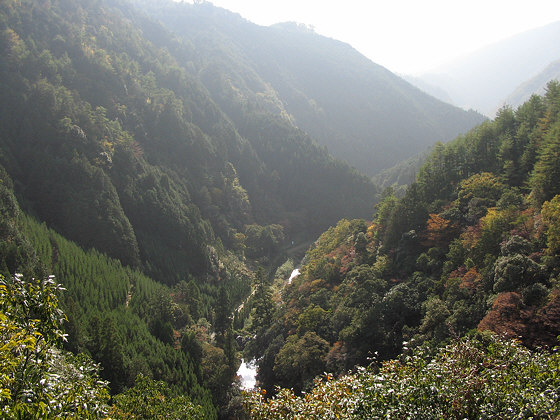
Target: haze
{"x":406,"y":36}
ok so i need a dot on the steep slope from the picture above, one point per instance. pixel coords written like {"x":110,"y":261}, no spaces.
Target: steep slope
{"x":362,"y":112}
{"x":483,"y":79}
{"x":402,"y":174}
{"x":113,"y":313}
{"x":112,"y":138}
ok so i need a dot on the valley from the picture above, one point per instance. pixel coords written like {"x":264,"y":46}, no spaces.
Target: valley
{"x":177,"y":199}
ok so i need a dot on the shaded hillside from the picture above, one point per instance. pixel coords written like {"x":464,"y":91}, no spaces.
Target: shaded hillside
{"x":473,"y":243}
{"x":114,"y":314}
{"x":362,"y":112}
{"x":482,"y":79}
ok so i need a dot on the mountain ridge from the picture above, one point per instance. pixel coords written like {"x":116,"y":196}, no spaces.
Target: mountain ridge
{"x":330,"y":90}
{"x":534,"y":86}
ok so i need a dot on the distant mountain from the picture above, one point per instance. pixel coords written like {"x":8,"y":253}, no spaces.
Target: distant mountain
{"x":535,"y":85}
{"x":429,"y":88}
{"x":483,"y":79}
{"x":361,"y":111}
{"x":400,"y":176}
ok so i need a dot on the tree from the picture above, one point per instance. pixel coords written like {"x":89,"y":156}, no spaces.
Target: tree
{"x":544,"y":180}
{"x":551,"y":219}
{"x":262,"y":313}
{"x":150,"y":399}
{"x":514,"y":272}
{"x":189,"y":293}
{"x":106,"y":347}
{"x":262,"y":303}
{"x":161,"y":315}
{"x":38,"y":380}
{"x":314,"y":319}
{"x":222,"y":317}
{"x":263,"y":241}
{"x":438,"y":230}
{"x":300,"y":360}
{"x":434,"y":322}
{"x":483,"y":185}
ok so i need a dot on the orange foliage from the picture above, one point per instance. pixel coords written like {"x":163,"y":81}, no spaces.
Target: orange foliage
{"x":471,"y":279}
{"x":533,"y":325}
{"x":347,"y":261}
{"x":438,"y":230}
{"x":337,"y":355}
{"x":471,"y":236}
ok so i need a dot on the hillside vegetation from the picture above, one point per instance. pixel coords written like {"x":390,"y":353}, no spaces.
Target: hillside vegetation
{"x":472,"y":245}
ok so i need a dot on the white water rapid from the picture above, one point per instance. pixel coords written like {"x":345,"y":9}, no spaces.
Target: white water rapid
{"x":294,"y":274}
{"x":248,"y":374}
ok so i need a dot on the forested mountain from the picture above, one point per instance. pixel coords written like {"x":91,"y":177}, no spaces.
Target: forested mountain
{"x":472,"y":245}
{"x":362,"y":112}
{"x":483,"y":79}
{"x":128,"y":323}
{"x":401,"y":175}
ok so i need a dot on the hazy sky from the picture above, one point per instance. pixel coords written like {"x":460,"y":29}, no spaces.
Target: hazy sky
{"x":406,"y":36}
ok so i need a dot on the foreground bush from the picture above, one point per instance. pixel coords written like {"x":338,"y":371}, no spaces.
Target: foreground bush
{"x":475,"y":377}
{"x":37,"y":379}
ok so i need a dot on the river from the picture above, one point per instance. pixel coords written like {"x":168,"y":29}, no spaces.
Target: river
{"x":247,"y":372}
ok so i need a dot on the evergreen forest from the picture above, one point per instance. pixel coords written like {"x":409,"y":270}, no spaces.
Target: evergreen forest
{"x":161,"y":175}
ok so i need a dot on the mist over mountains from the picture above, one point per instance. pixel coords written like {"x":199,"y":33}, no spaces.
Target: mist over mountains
{"x":535,"y":85}
{"x":485,"y":79}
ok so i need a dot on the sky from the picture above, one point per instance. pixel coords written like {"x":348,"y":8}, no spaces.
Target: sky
{"x":406,"y":36}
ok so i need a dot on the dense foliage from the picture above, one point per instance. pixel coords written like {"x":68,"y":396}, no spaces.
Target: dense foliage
{"x":112,"y":137}
{"x":126,"y":322}
{"x":38,"y":380}
{"x":150,"y":399}
{"x":472,"y":244}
